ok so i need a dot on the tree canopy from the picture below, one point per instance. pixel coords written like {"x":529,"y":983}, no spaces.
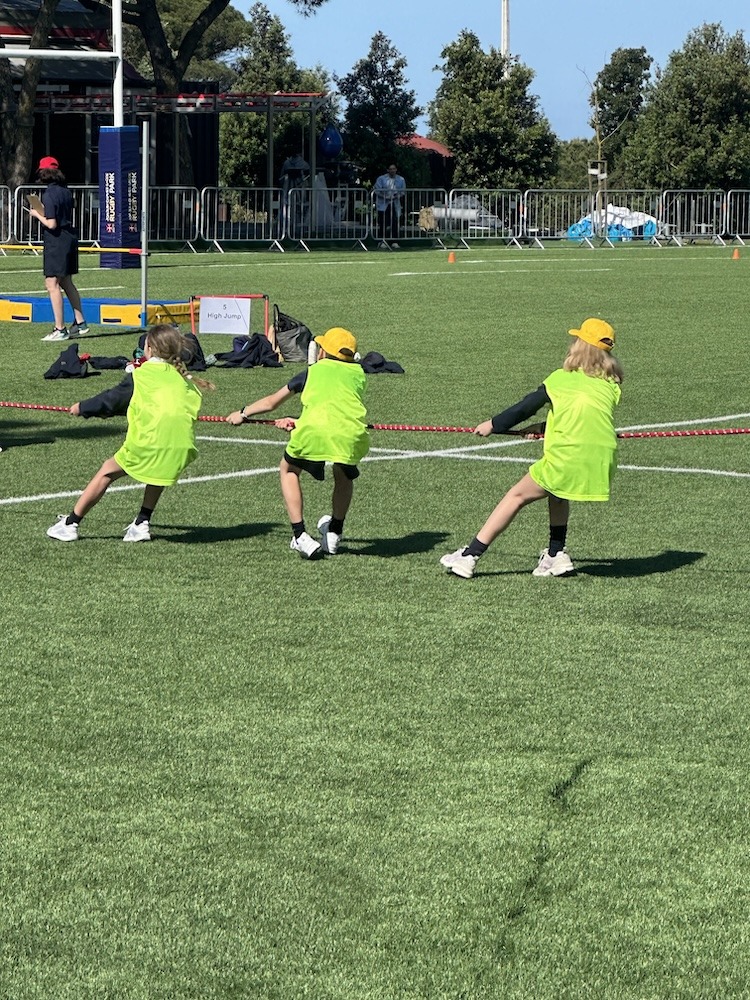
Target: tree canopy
{"x":265,"y":64}
{"x":380,"y":109}
{"x":694,"y":130}
{"x":485,"y":115}
{"x":617,"y":97}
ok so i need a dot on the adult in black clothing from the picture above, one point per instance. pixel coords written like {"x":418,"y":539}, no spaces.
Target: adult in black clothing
{"x":60,"y":243}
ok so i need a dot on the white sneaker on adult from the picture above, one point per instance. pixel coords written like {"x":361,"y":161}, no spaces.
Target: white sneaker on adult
{"x":306,"y":545}
{"x":58,"y":334}
{"x":63,"y":532}
{"x":137,"y":532}
{"x":329,"y":540}
{"x":459,"y":564}
{"x":557,"y":565}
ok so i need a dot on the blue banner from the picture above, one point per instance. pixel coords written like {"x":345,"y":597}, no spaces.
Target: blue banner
{"x":119,"y":194}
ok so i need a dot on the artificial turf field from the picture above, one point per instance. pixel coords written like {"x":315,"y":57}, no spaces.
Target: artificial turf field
{"x":231,"y":773}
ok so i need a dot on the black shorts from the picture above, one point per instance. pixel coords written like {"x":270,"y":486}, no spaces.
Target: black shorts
{"x":60,"y":255}
{"x":318,"y":469}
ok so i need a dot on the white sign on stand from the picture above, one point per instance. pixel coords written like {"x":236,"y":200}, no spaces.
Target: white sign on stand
{"x":224,"y":315}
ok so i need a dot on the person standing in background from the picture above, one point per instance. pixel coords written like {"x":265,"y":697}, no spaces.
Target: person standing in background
{"x":389,"y":189}
{"x":60,"y":242}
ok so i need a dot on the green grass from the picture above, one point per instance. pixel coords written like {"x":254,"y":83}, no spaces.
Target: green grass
{"x":229,"y":773}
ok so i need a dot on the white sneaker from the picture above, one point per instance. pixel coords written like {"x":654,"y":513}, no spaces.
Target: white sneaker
{"x":306,"y":545}
{"x":58,"y":334}
{"x":459,"y":564}
{"x":559,"y":565}
{"x":63,"y":532}
{"x":137,"y":532}
{"x":329,"y":541}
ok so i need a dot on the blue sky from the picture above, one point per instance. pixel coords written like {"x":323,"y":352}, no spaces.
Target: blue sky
{"x":563,"y":41}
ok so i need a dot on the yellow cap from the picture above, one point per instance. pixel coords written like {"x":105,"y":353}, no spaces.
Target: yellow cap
{"x":338,"y":343}
{"x":596,"y":332}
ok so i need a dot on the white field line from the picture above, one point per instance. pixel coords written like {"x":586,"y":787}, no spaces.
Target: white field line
{"x":501,"y":270}
{"x":43,"y":295}
{"x":465,"y":453}
{"x":685,"y":423}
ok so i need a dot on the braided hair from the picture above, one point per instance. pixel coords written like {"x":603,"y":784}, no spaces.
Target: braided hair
{"x":166,"y":342}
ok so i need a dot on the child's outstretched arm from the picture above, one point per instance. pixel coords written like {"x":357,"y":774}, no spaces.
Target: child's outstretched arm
{"x":514,"y":414}
{"x":264,"y":405}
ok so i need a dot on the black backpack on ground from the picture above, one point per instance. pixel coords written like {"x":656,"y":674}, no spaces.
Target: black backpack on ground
{"x":292,"y":337}
{"x":69,"y":365}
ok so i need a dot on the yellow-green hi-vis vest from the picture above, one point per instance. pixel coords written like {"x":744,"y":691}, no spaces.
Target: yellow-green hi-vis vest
{"x":580,"y":441}
{"x":333,"y":424}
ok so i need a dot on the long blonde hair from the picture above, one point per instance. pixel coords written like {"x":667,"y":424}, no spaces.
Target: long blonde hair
{"x":166,"y":342}
{"x":593,"y":361}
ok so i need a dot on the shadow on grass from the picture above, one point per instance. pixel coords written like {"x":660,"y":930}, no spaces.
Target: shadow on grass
{"x":12,"y":439}
{"x":388,"y":548}
{"x":664,"y":562}
{"x":206,"y":534}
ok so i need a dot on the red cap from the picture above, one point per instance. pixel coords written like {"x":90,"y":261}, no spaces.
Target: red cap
{"x":48,"y":163}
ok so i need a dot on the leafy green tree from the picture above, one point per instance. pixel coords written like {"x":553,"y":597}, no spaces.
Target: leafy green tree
{"x":694,"y":130}
{"x":485,"y":115}
{"x":17,"y":108}
{"x":265,"y":64}
{"x":573,"y":164}
{"x":617,"y":97}
{"x":380,"y":111}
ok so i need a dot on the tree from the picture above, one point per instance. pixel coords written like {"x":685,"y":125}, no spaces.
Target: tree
{"x":379,"y":109}
{"x":265,"y":64}
{"x":574,"y":157}
{"x":694,"y":130}
{"x":484,"y":114}
{"x":617,"y":97}
{"x":209,"y":59}
{"x":17,"y":109}
{"x":173,"y":44}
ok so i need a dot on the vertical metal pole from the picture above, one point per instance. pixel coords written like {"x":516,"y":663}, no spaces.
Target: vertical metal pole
{"x":505,"y":35}
{"x":118,"y":90}
{"x":145,"y":202}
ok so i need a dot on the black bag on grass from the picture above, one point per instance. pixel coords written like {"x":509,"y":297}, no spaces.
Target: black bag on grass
{"x":69,"y":365}
{"x":292,"y":337}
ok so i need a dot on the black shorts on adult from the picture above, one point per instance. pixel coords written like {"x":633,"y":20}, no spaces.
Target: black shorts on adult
{"x":318,"y":469}
{"x":60,"y":254}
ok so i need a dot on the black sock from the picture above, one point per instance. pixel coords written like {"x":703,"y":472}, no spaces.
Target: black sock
{"x":557,"y":536}
{"x":298,"y":528}
{"x":336,"y":525}
{"x":144,"y":514}
{"x":475,"y":548}
{"x":73,"y":518}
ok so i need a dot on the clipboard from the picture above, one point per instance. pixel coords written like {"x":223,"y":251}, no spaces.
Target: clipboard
{"x":36,"y":203}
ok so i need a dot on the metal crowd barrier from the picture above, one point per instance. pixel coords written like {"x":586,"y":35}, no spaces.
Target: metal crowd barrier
{"x":223,"y":216}
{"x":688,"y":215}
{"x":174,"y":215}
{"x":422,"y":209}
{"x":25,"y":229}
{"x":241,"y":215}
{"x":6,"y":214}
{"x":737,"y":216}
{"x":322,"y":213}
{"x":549,"y":215}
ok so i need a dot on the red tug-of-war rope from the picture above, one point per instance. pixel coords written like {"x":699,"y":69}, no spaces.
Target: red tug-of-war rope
{"x":704,"y":432}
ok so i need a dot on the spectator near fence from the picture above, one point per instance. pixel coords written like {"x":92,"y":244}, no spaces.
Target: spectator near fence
{"x":389,"y":189}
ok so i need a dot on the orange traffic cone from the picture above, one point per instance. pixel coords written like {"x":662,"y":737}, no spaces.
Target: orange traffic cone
{"x":451,"y":258}
{"x":736,"y":254}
